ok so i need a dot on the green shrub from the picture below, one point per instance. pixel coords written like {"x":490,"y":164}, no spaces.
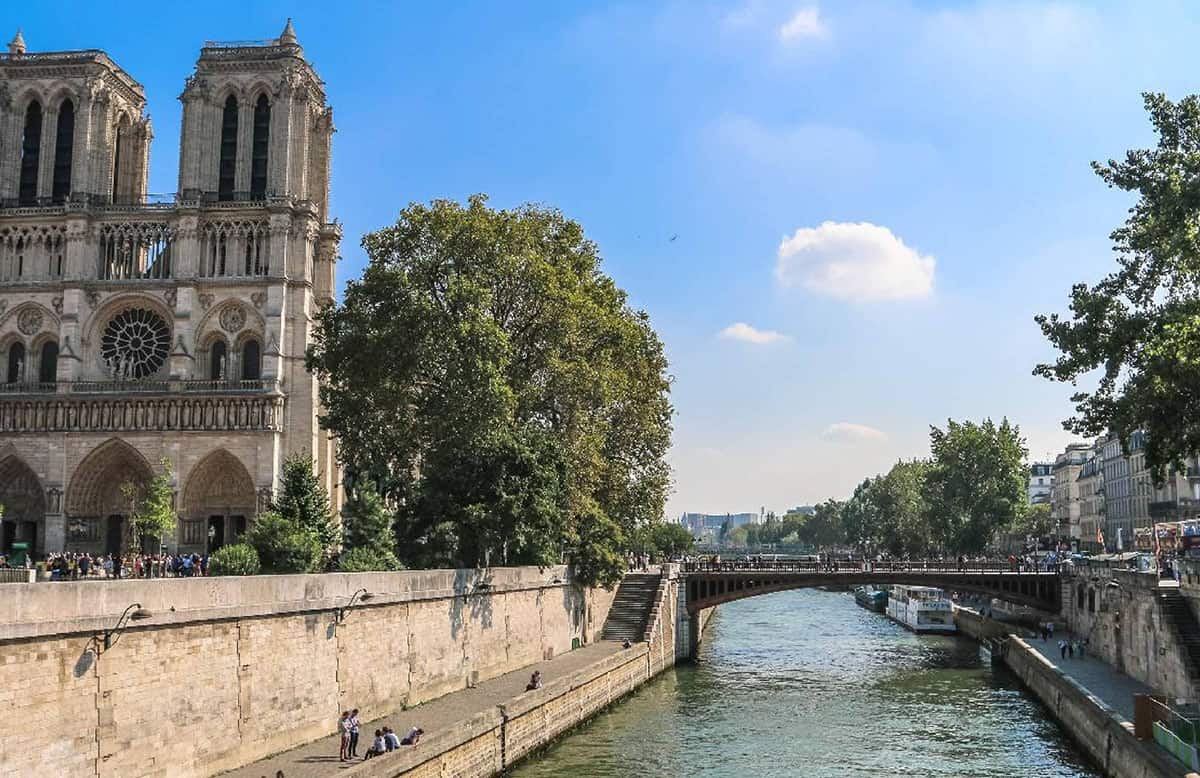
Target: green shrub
{"x":283,"y":546}
{"x":238,"y":559}
{"x":367,"y":560}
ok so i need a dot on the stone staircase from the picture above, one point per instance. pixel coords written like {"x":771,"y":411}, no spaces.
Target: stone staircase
{"x":1186,"y":628}
{"x":631,"y":608}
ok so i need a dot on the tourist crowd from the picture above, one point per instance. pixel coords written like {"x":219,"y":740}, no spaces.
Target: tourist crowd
{"x":78,"y":566}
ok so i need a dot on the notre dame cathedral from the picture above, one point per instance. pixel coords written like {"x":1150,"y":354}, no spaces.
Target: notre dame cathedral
{"x":136,"y":327}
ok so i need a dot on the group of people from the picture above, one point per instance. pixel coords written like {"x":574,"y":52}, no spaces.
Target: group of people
{"x":385,"y":740}
{"x":1067,"y":647}
{"x":76,"y":566}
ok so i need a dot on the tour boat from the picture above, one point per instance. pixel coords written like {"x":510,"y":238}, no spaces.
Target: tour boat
{"x":921,"y":608}
{"x":871,"y":598}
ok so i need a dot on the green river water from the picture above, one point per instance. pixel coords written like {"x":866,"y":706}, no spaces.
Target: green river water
{"x":806,"y":683}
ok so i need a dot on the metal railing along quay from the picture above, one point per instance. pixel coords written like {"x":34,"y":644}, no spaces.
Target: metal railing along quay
{"x":836,"y":566}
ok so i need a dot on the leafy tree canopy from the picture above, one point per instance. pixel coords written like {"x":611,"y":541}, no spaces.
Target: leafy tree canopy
{"x":497,"y":385}
{"x":1140,"y":325}
{"x":304,"y":501}
{"x":976,"y":482}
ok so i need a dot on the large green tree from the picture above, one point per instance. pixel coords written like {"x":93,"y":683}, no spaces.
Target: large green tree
{"x":825,"y":527}
{"x":499,"y":388}
{"x":1140,"y":325}
{"x":303,"y":500}
{"x":903,"y":502}
{"x":368,"y":537}
{"x":976,"y":482}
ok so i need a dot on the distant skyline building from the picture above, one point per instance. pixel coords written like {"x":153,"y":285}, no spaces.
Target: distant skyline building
{"x":708,"y":525}
{"x":1064,"y":495}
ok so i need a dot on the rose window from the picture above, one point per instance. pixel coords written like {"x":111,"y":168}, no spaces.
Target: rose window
{"x":135,"y":344}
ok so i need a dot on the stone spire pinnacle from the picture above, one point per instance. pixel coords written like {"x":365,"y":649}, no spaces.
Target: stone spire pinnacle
{"x":17,"y":45}
{"x":288,"y":36}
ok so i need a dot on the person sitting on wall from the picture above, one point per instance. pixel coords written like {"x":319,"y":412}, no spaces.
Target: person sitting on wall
{"x":413,"y":737}
{"x":377,"y":745}
{"x":391,"y":739}
{"x":535,"y":681}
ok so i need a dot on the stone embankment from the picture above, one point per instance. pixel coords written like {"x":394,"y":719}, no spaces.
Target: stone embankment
{"x":219,"y":673}
{"x":225,"y":671}
{"x":484,"y":730}
{"x":1104,"y":733}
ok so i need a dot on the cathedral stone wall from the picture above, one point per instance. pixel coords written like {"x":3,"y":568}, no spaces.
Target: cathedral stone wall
{"x":138,"y":328}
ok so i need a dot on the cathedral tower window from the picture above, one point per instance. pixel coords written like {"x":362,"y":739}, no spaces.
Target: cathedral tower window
{"x":64,"y":139}
{"x":251,"y":361}
{"x":258,"y":159}
{"x":216,"y":361}
{"x":31,"y":147}
{"x":16,"y":362}
{"x":48,"y":363}
{"x":228,"y":165}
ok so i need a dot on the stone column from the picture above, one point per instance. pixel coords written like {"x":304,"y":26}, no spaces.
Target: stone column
{"x":54,"y":534}
{"x":81,"y":145}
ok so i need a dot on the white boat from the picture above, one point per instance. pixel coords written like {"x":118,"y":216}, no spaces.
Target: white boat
{"x":921,"y":608}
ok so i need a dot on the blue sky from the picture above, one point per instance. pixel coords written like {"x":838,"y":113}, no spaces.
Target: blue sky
{"x":871,"y":199}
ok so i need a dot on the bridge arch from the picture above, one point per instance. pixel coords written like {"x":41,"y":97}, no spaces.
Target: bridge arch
{"x":706,"y":588}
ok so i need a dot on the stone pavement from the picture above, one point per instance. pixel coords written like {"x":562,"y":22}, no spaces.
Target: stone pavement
{"x":1103,"y":680}
{"x":320,"y":758}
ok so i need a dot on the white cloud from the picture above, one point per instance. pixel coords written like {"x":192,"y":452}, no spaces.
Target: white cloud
{"x":846,"y":431}
{"x":747,"y":334}
{"x":859,"y":262}
{"x":805,"y":23}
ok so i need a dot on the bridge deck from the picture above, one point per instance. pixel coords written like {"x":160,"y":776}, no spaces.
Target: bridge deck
{"x":711,"y":583}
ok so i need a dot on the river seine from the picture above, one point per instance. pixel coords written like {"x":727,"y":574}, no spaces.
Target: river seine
{"x":806,"y":683}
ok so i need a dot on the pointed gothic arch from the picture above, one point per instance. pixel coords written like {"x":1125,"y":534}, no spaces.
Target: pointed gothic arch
{"x":95,"y":488}
{"x":24,"y":502}
{"x":218,"y":502}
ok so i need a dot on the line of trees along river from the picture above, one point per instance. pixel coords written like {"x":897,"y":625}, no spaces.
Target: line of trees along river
{"x":805,"y":683}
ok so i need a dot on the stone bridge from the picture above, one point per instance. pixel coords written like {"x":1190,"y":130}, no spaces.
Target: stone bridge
{"x":713,"y":583}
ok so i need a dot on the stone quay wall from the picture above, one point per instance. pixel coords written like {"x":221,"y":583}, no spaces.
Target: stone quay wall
{"x":1101,"y":731}
{"x":496,"y":739}
{"x":1123,"y":622}
{"x":226,"y":671}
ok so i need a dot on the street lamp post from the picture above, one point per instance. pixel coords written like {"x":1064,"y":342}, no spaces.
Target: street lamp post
{"x":362,"y":595}
{"x":134,"y":612}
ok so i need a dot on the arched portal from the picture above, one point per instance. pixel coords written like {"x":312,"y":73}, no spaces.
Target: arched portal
{"x":96,"y":505}
{"x":24,"y":503}
{"x":218,"y":503}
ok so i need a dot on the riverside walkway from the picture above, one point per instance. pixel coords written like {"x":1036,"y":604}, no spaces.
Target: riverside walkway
{"x":1109,"y":685}
{"x":320,"y":757}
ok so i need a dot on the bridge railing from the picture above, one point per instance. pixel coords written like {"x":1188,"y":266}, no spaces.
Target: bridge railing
{"x":844,"y":566}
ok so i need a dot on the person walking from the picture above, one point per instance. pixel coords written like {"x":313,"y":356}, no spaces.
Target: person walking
{"x":354,"y":733}
{"x":1062,"y":648}
{"x":344,"y":731}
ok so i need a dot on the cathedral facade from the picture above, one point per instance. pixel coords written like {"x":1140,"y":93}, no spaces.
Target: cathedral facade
{"x":137,"y":328}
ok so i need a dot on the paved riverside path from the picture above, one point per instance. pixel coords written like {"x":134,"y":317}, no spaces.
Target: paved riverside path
{"x":320,"y":757}
{"x":1103,"y":680}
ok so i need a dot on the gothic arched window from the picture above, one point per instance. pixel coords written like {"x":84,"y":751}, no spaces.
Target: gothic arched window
{"x":228,"y":165}
{"x":121,"y":160}
{"x":258,"y":157}
{"x":48,"y":363}
{"x":16,"y":362}
{"x":251,"y":361}
{"x":216,"y":361}
{"x":31,"y":147}
{"x":64,"y":139}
